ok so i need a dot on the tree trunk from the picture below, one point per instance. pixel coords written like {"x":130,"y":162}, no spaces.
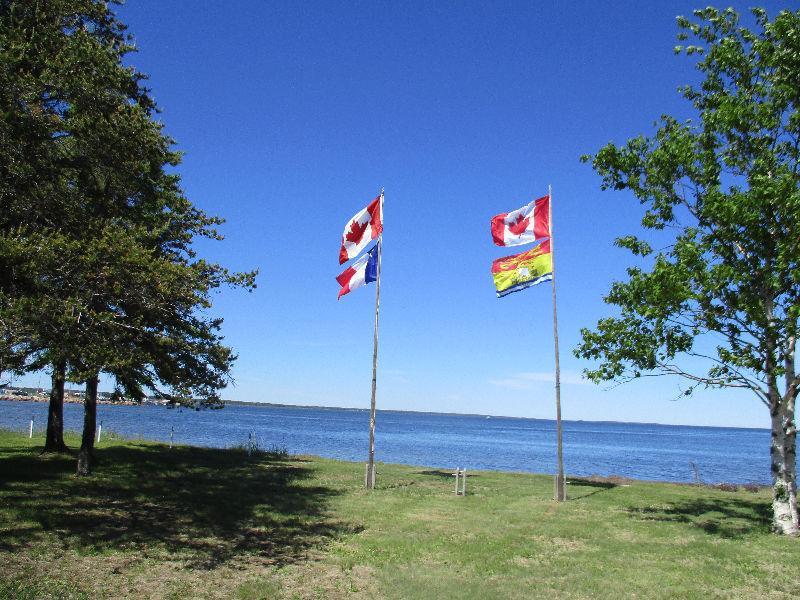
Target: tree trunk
{"x":86,"y":454}
{"x":54,"y":442}
{"x":783,"y":452}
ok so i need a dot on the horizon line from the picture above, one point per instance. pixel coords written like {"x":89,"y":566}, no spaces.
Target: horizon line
{"x":433,"y":412}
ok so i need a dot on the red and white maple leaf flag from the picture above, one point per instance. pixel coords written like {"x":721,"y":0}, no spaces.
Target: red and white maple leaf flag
{"x":526,"y":224}
{"x":364,"y":227}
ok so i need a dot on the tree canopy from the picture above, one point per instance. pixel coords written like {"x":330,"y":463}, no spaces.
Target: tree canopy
{"x":98,"y":268}
{"x":726,"y":290}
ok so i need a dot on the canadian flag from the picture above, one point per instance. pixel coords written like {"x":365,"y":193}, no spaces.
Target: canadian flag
{"x":526,"y":224}
{"x":361,"y":272}
{"x":364,"y":227}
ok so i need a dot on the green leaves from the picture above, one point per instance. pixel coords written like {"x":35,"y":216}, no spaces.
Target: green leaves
{"x":96,"y":237}
{"x":725,"y":292}
{"x":634,"y":244}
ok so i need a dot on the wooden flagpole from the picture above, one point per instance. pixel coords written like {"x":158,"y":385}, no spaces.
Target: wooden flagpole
{"x":560,"y":484}
{"x":370,"y":479}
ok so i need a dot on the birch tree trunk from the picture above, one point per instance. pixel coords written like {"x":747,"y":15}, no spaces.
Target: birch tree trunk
{"x":783,"y":453}
{"x":783,"y":450}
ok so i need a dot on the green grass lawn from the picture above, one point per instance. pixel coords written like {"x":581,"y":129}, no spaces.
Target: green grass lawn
{"x":186,"y":522}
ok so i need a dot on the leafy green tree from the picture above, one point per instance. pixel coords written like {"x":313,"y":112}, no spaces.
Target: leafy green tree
{"x":143,"y":324}
{"x":96,"y":247}
{"x":44,"y":49}
{"x":726,"y":291}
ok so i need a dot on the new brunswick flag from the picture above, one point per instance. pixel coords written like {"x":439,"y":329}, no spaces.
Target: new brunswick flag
{"x":520,"y":271}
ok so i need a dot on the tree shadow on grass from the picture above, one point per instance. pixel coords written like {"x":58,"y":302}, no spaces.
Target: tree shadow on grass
{"x":583,"y":487}
{"x":724,"y":517}
{"x":205,"y":505}
{"x":444,"y":474}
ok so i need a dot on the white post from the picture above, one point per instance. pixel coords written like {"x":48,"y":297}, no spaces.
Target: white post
{"x":30,"y":433}
{"x":461,"y":481}
{"x":99,"y":431}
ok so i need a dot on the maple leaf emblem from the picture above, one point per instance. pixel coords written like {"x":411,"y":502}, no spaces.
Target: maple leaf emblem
{"x":519,"y":226}
{"x":356,"y":231}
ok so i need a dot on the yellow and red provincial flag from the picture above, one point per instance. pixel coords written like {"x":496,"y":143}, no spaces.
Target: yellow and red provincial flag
{"x":524,"y":225}
{"x":520,"y":271}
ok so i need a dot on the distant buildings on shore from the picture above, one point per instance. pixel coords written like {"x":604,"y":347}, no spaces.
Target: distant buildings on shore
{"x":22,"y":393}
{"x":72,"y":396}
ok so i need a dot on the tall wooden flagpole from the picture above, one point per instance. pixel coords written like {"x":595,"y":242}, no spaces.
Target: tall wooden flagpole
{"x":561,"y":491}
{"x":370,"y":479}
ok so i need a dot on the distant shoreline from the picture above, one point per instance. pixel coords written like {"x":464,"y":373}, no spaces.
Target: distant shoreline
{"x":72,"y":399}
{"x":486,"y":416}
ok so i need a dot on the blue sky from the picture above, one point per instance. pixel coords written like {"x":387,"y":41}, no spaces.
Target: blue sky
{"x":293,"y":115}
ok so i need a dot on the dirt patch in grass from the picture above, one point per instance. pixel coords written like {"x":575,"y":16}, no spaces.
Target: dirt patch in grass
{"x":559,"y":544}
{"x":318,"y":579}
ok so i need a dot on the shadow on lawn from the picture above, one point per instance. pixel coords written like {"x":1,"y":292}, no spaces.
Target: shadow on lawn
{"x":595,"y":484}
{"x":208,"y":505}
{"x":725,"y":517}
{"x":442,"y":474}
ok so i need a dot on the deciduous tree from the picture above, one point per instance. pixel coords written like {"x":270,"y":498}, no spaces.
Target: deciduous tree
{"x":720,"y":304}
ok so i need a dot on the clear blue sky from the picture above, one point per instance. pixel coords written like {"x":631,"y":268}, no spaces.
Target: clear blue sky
{"x":293,"y":115}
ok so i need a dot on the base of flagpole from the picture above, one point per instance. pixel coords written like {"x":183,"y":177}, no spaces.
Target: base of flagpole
{"x":369,"y":482}
{"x":559,"y":488}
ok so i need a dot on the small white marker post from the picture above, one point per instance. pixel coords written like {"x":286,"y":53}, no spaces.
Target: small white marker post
{"x":171,"y":435}
{"x":30,"y":433}
{"x":99,"y":431}
{"x":461,"y":481}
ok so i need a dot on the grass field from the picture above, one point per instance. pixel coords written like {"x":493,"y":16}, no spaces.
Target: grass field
{"x":185,"y":522}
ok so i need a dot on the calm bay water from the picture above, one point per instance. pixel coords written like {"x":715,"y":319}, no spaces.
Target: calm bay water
{"x":640,"y":451}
